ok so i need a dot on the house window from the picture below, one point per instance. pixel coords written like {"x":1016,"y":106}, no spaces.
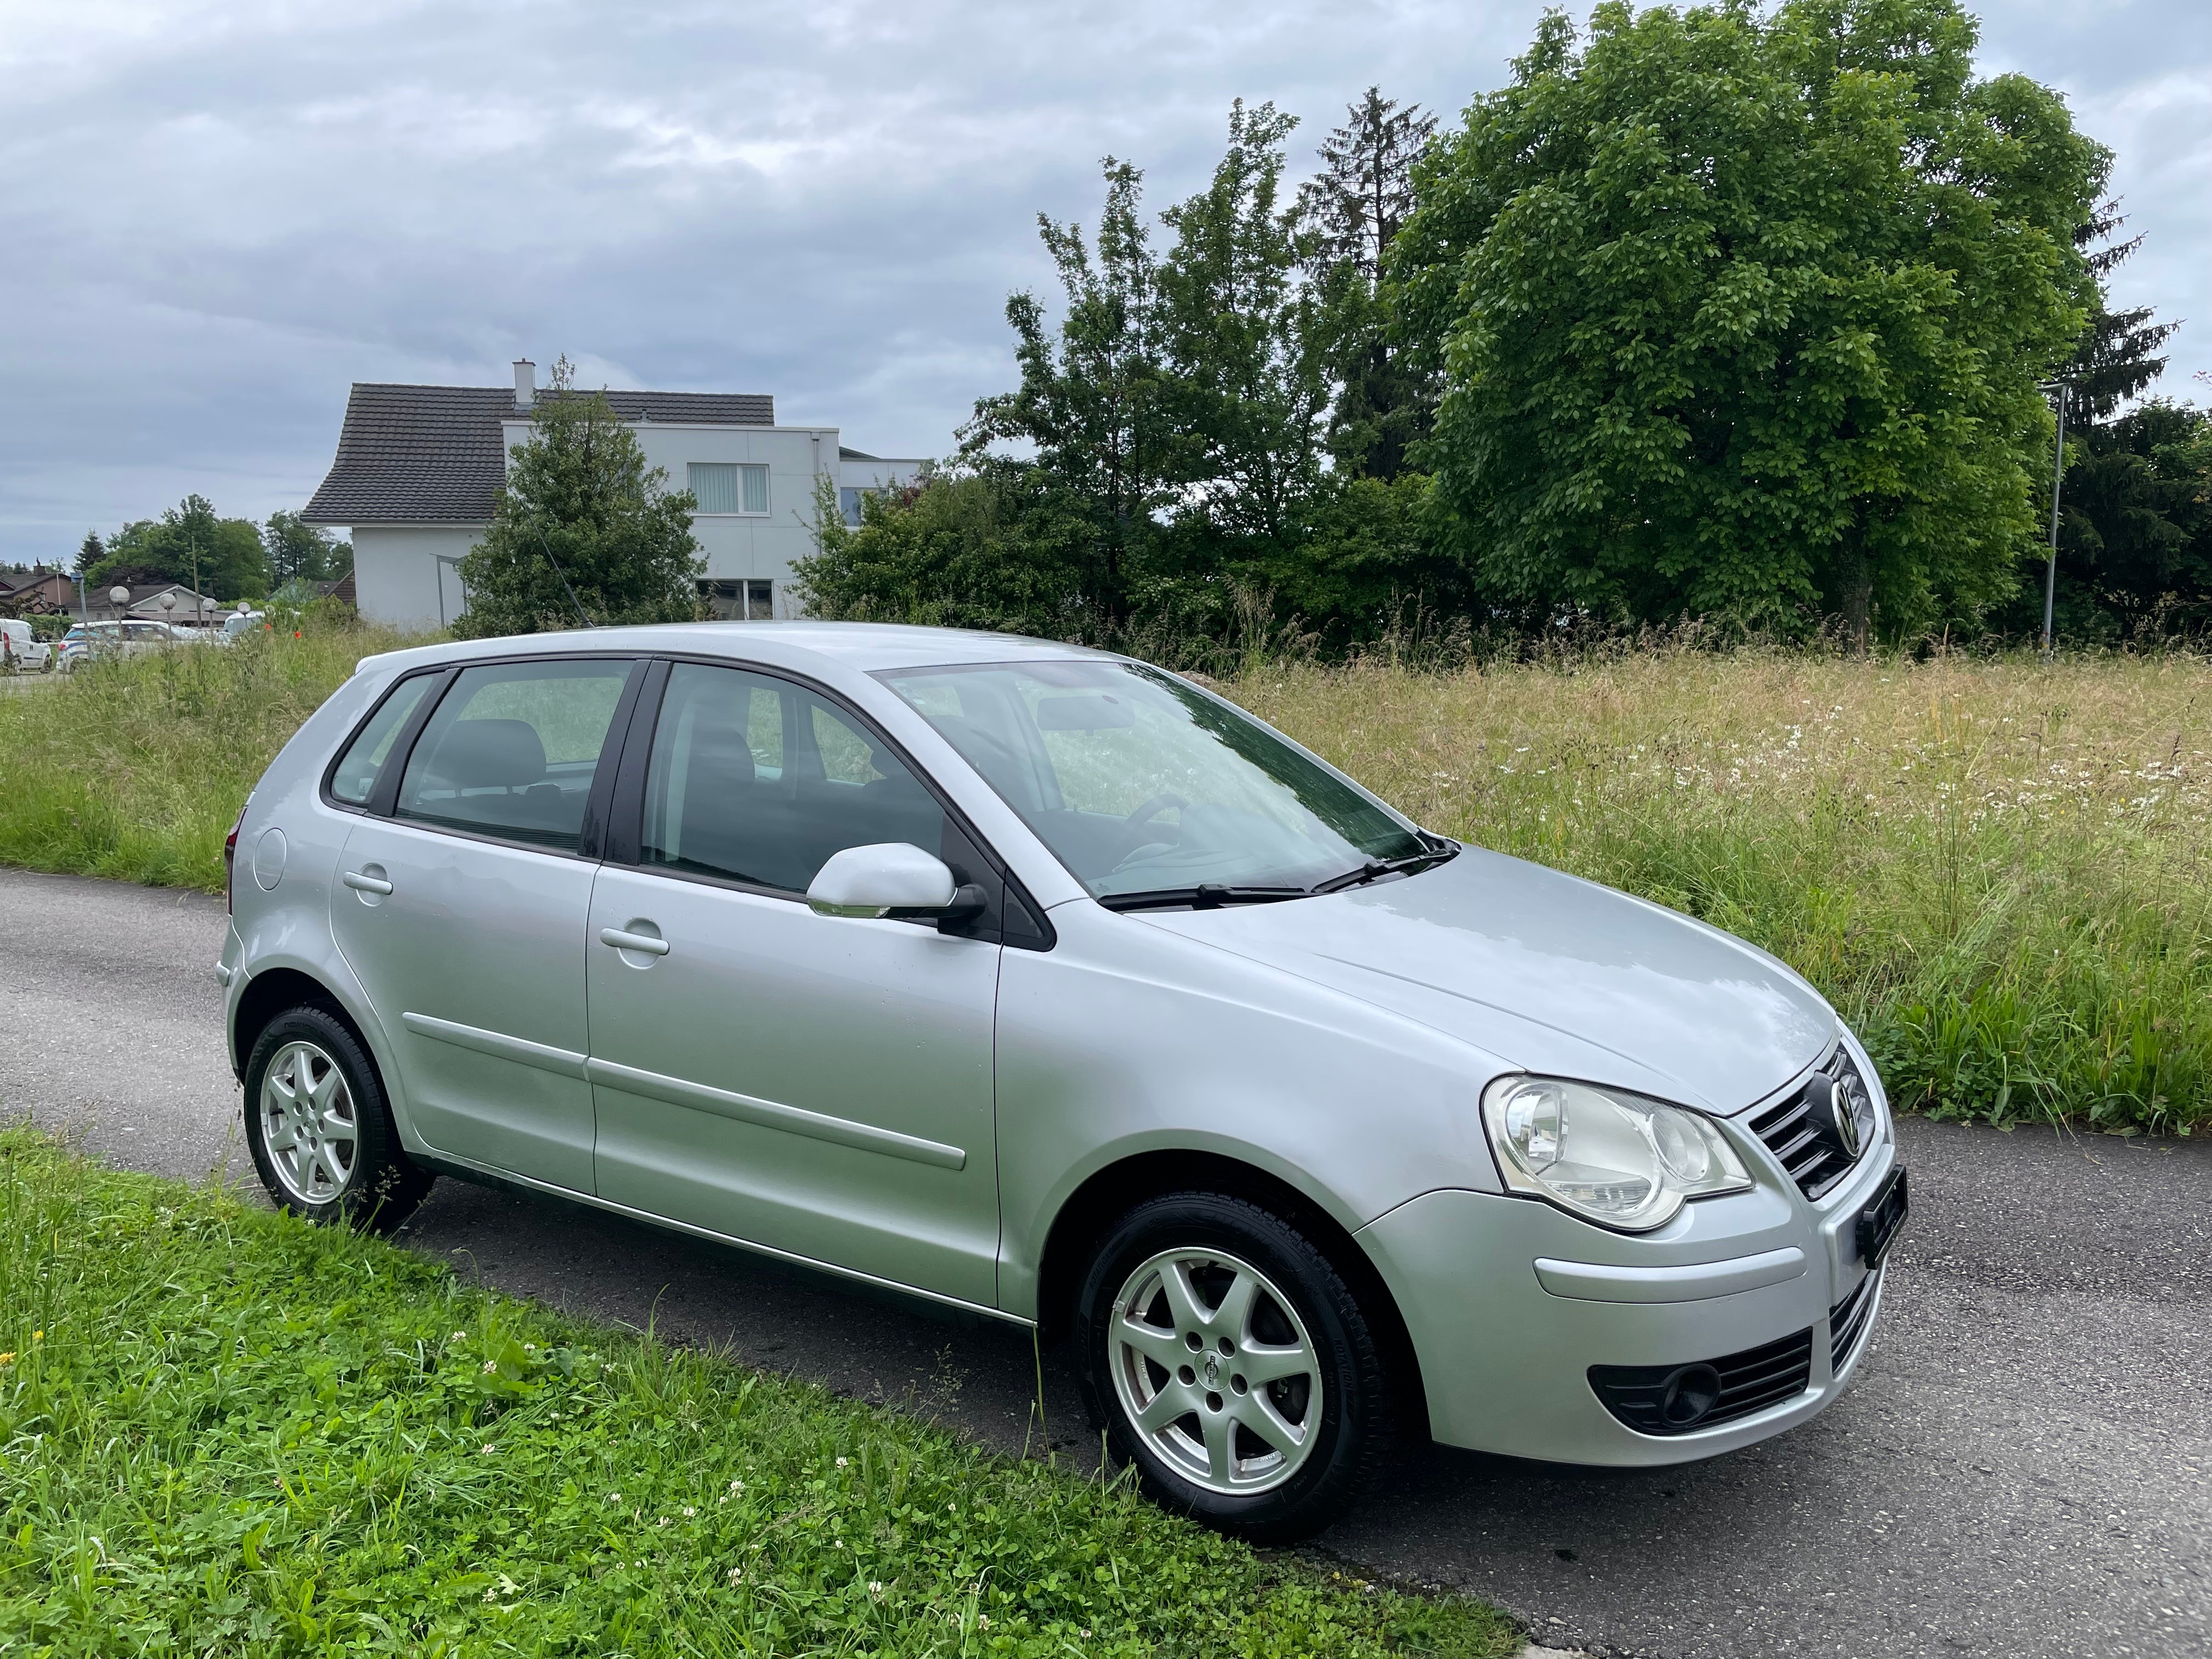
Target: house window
{"x":849,"y":503}
{"x":752,"y":600}
{"x":715,"y":486}
{"x":728,"y":487}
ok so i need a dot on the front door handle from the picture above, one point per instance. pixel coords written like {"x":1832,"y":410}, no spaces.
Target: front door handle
{"x":362,"y":882}
{"x":645,"y":942}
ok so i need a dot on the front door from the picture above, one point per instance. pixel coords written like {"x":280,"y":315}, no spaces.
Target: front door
{"x":462,"y":914}
{"x":818,"y":1084}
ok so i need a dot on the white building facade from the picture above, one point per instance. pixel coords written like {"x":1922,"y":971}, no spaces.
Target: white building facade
{"x":418,"y":471}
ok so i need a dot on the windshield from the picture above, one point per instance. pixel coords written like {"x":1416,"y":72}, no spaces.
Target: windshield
{"x":1140,"y":784}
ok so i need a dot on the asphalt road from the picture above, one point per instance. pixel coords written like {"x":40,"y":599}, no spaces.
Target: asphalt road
{"x":2021,"y":1469}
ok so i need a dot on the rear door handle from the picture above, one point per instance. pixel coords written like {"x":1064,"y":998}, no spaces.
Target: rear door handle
{"x":362,"y":883}
{"x":642,"y":942}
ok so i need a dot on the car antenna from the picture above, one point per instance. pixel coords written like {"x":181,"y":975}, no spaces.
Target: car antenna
{"x":563,"y":575}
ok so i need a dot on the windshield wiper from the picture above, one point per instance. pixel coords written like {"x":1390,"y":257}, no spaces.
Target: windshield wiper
{"x":1374,"y":869}
{"x":1206,"y":895}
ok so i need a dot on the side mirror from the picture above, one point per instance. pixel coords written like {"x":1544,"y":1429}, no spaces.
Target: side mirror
{"x":874,"y":881}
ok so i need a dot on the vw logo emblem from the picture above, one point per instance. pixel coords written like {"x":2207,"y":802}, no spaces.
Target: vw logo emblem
{"x":1847,"y":1124}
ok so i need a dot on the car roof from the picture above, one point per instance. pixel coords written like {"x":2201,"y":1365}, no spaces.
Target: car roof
{"x":864,"y":648}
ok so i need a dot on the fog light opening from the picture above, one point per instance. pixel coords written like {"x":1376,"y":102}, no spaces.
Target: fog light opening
{"x":1688,"y":1393}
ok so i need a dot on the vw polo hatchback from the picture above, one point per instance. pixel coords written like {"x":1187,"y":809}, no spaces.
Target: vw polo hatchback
{"x":1041,"y":982}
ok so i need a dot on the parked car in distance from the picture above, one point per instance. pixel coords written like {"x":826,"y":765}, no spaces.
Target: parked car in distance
{"x":23,"y":652}
{"x":1042,"y":983}
{"x":127,"y":638}
{"x":240,"y":622}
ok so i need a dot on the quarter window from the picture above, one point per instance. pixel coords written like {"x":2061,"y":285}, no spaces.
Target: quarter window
{"x":354,"y":779}
{"x":512,"y":749}
{"x":757,"y":780}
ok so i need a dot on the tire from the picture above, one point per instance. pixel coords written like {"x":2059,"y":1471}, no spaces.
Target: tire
{"x":338,"y":1160}
{"x":1288,"y":1423}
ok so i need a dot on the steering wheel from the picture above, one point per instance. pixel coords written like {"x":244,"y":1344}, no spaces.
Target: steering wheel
{"x":1132,"y":827}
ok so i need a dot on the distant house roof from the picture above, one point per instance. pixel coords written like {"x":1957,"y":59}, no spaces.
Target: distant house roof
{"x":433,"y":454}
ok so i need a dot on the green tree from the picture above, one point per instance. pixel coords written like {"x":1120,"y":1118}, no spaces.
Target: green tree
{"x":1354,"y":209}
{"x":299,"y":551}
{"x":1248,"y":384}
{"x":2117,"y":358}
{"x":2135,"y":549}
{"x":1741,"y":314}
{"x":90,"y":551}
{"x":994,"y":543}
{"x":1091,"y":401}
{"x":581,"y":524}
{"x":221,"y":558}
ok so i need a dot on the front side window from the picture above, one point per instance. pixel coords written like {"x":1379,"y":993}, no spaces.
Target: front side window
{"x":513,"y":749}
{"x":354,"y":779}
{"x":1140,"y":784}
{"x":755,"y":779}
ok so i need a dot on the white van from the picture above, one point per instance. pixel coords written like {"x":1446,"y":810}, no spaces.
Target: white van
{"x":20,"y":652}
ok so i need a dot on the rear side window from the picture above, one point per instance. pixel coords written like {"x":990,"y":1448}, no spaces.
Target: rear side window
{"x":759,"y":781}
{"x":353,"y":779}
{"x":513,"y":749}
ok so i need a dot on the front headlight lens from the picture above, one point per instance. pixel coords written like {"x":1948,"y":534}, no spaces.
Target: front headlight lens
{"x":1614,"y":1158}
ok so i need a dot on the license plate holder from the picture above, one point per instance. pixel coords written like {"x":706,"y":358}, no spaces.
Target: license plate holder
{"x":1882,"y":1218}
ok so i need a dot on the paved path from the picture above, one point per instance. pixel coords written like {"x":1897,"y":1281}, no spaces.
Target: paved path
{"x":2022,"y":1468}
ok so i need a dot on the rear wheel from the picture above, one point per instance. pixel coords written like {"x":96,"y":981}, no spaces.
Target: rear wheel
{"x":319,"y":1128}
{"x":1227,"y":1359}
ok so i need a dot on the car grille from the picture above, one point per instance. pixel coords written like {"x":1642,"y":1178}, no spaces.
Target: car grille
{"x":1651,"y":1399}
{"x":1800,"y":1135}
{"x":1847,"y":1322}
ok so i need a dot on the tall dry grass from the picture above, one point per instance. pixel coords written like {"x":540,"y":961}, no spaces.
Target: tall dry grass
{"x":1998,"y":869}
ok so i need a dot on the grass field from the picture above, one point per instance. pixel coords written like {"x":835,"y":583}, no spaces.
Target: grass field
{"x":1998,"y":870}
{"x":223,"y":1432}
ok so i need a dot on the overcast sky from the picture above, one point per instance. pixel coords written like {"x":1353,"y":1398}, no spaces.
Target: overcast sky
{"x":220,"y":213}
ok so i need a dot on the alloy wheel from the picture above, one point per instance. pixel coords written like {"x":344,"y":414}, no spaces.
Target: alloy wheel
{"x":309,"y":1123}
{"x":1216,"y":1372}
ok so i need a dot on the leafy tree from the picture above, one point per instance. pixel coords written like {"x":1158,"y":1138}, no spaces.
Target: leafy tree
{"x":994,"y":543}
{"x":299,"y":551}
{"x":1247,"y":386}
{"x":581,"y":524}
{"x":1092,"y":398}
{"x":1355,"y":210}
{"x":1741,"y":314}
{"x":221,"y":558}
{"x":2135,"y":550}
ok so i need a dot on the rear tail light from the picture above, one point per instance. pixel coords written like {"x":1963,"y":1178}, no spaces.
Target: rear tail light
{"x":230,"y":857}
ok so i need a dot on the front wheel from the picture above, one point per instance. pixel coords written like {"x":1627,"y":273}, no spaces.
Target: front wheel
{"x":1227,"y":1359}
{"x":320,"y":1129}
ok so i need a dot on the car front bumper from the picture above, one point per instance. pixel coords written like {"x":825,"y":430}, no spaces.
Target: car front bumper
{"x":1510,"y":1303}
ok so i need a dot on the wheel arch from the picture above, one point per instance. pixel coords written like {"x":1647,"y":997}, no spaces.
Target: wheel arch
{"x":1109,"y":1193}
{"x":270,"y":993}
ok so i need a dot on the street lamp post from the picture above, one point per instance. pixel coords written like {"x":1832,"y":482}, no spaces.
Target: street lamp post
{"x":2057,"y":478}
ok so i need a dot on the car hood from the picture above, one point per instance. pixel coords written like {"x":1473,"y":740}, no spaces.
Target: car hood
{"x":1548,"y":972}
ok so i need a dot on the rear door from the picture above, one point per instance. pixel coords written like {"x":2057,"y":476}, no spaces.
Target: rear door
{"x":464,"y":895}
{"x":820,"y":1085}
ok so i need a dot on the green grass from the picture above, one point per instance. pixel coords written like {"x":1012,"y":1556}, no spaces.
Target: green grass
{"x":225,"y":1431}
{"x":1998,"y":870}
{"x":135,"y":769}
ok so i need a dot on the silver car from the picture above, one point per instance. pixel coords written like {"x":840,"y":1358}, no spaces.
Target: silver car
{"x":1041,"y":982}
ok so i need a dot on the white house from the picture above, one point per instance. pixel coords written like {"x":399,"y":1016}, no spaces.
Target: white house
{"x":418,"y":471}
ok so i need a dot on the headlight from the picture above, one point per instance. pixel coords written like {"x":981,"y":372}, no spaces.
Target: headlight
{"x":1614,"y":1158}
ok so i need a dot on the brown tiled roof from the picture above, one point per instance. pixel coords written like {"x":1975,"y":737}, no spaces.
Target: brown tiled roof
{"x":432,"y":454}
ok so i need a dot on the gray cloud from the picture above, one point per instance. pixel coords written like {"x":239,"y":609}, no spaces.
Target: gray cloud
{"x":221,"y":214}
